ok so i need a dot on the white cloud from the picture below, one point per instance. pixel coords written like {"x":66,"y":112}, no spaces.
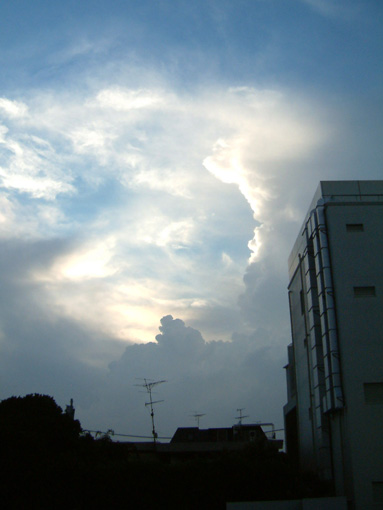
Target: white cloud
{"x":272,"y":133}
{"x":87,"y":139}
{"x":171,"y":181}
{"x":176,"y":235}
{"x":13,"y":109}
{"x":125,"y":99}
{"x":155,"y":206}
{"x":30,"y":165}
{"x":226,"y":259}
{"x":38,"y":188}
{"x":162,"y":232}
{"x":334,"y":8}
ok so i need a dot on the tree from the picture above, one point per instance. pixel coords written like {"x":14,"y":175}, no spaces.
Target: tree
{"x":39,"y":447}
{"x":36,"y":422}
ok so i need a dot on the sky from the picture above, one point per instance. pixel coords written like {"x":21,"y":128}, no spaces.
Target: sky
{"x":157,"y":159}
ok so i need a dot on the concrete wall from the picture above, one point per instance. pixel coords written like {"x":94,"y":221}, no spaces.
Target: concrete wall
{"x":357,"y":261}
{"x":354,"y":226}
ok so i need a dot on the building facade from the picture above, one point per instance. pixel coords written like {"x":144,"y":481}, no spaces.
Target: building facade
{"x":334,"y":413}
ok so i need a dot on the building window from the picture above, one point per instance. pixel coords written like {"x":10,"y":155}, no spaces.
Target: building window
{"x":302,"y":302}
{"x":368,"y":291}
{"x":373,"y":393}
{"x":355,"y":227}
{"x":377,"y":492}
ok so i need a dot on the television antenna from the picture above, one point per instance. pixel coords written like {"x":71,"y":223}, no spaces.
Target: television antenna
{"x":241,"y":416}
{"x":149,"y":385}
{"x":197,"y":417}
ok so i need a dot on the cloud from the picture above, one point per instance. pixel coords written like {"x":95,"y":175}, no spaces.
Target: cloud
{"x":215,"y":378}
{"x":13,"y":109}
{"x":334,"y":8}
{"x":165,"y":201}
{"x":42,"y":351}
{"x":125,"y":100}
{"x":29,"y":164}
{"x":85,"y":263}
{"x":169,"y":221}
{"x":273,"y":133}
{"x":127,"y":202}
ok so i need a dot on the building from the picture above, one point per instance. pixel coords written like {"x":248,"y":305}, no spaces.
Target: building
{"x":334,"y":413}
{"x":192,"y":442}
{"x":232,"y":438}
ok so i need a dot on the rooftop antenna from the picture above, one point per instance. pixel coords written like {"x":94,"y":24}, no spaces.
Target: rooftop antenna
{"x":197,"y":417}
{"x":241,"y":416}
{"x":149,"y":385}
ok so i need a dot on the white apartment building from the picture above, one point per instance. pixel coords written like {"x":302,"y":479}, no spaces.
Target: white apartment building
{"x":334,"y":413}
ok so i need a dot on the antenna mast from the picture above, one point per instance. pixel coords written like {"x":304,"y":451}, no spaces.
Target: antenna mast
{"x":197,"y":417}
{"x":149,"y":385}
{"x":241,"y":416}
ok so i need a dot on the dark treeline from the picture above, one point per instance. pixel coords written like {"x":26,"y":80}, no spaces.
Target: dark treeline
{"x":47,"y":463}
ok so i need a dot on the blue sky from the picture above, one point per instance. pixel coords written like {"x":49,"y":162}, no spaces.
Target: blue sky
{"x":156,"y":160}
{"x":312,"y":43}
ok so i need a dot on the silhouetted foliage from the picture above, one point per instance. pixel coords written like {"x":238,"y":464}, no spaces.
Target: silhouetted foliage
{"x":36,"y":420}
{"x":36,"y":442}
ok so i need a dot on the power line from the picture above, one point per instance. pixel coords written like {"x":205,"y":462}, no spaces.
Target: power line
{"x":123,"y":435}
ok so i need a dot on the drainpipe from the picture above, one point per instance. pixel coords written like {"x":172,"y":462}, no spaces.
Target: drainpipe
{"x":334,"y":393}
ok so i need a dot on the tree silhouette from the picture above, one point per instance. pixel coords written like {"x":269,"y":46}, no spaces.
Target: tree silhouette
{"x":38,"y":445}
{"x":36,"y":421}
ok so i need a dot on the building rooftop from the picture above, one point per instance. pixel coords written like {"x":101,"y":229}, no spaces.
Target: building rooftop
{"x":337,"y":192}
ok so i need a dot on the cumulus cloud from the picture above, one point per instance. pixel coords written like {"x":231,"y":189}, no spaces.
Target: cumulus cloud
{"x":126,"y":203}
{"x":215,"y":378}
{"x":273,"y":133}
{"x":164,"y":199}
{"x":169,"y":221}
